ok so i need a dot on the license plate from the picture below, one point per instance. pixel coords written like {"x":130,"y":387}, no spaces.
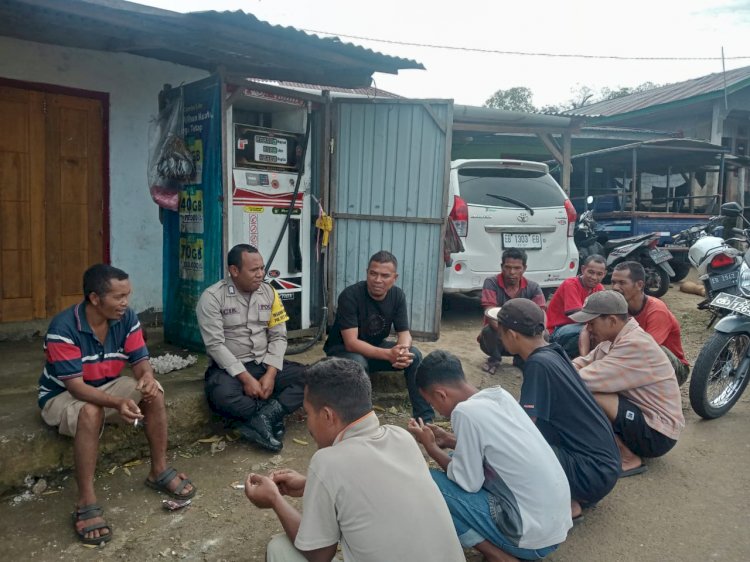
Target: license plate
{"x":740,"y":305}
{"x":723,"y":280}
{"x":660,"y":255}
{"x":522,"y":240}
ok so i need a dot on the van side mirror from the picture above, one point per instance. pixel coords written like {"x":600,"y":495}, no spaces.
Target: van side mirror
{"x":732,"y":209}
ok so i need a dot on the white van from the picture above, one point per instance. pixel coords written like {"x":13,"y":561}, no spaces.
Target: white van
{"x":500,"y":204}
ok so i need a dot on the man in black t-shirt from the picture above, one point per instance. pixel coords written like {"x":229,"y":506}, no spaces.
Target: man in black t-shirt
{"x":365,"y":313}
{"x":563,"y":409}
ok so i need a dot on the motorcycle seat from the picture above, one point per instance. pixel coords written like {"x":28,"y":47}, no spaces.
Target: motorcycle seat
{"x":629,"y":240}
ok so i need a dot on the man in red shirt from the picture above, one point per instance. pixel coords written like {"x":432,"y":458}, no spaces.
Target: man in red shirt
{"x":652,"y":315}
{"x":496,"y":291}
{"x":568,"y":298}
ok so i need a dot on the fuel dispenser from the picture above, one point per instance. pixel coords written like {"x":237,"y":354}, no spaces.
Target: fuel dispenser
{"x":271,"y":170}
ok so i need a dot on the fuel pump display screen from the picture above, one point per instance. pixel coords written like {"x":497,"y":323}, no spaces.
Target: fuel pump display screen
{"x":271,"y":150}
{"x":258,"y":147}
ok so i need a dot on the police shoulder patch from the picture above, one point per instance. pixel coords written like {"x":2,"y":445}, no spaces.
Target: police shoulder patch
{"x":278,"y":312}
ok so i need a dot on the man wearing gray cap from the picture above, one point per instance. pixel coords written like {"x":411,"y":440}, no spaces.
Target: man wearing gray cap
{"x":558,"y":402}
{"x":631,"y":379}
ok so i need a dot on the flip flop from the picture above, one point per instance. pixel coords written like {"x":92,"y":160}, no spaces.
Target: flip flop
{"x":91,"y":511}
{"x":633,"y":471}
{"x":490,"y":367}
{"x":161,"y":484}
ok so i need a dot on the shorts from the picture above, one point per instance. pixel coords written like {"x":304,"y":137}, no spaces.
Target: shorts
{"x":63,"y":410}
{"x":638,"y":436}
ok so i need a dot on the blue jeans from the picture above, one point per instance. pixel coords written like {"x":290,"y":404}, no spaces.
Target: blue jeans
{"x":473,"y":521}
{"x":567,"y":336}
{"x":419,"y":406}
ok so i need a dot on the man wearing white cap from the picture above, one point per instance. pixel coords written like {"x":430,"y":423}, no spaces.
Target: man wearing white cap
{"x":631,"y":379}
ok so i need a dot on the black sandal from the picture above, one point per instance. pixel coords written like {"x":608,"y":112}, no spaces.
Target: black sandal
{"x":161,"y":484}
{"x":91,"y":511}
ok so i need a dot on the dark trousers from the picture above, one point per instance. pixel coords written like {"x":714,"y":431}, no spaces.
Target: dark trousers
{"x":227,"y":398}
{"x":490,"y":344}
{"x":419,"y":406}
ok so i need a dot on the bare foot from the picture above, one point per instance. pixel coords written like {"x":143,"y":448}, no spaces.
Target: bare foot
{"x":575,"y":509}
{"x":628,"y":458}
{"x":492,"y":553}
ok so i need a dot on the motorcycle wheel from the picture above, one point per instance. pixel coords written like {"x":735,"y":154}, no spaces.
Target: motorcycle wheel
{"x":657,"y":280}
{"x":681,"y":270}
{"x":720,"y":374}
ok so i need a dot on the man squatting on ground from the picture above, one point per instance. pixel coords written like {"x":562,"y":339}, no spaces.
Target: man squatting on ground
{"x":243,"y":324}
{"x":364,"y":316}
{"x":86,"y":347}
{"x":561,"y":406}
{"x":509,"y":284}
{"x":631,"y":379}
{"x":568,"y":298}
{"x":367,"y":486}
{"x":505,"y":489}
{"x":652,"y":315}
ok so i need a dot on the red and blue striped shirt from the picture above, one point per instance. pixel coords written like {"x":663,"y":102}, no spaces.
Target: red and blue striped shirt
{"x":72,"y":350}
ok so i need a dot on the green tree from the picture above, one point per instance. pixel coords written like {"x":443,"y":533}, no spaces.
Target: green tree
{"x":620,"y":91}
{"x":513,"y":99}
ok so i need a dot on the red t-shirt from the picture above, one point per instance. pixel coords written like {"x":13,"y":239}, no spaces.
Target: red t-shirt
{"x":568,"y":298}
{"x":656,"y":319}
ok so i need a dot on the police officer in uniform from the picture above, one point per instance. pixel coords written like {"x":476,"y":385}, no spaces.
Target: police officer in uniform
{"x":243,"y":324}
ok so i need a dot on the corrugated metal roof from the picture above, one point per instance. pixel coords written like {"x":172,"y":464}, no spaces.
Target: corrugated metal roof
{"x":236,"y":41}
{"x":655,"y":156}
{"x":370,"y":92}
{"x":697,"y":87}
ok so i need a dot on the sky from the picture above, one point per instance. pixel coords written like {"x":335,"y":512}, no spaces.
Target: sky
{"x":637,"y":28}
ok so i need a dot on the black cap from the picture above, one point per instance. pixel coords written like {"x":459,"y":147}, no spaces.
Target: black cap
{"x":520,"y":315}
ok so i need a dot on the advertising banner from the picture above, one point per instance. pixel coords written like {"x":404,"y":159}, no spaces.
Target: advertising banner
{"x":193,"y":235}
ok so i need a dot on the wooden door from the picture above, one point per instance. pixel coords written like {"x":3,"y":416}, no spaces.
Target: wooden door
{"x":51,"y":197}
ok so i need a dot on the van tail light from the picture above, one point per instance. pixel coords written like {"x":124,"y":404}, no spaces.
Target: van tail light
{"x":571,"y":212}
{"x":721,"y":260}
{"x":460,"y":216}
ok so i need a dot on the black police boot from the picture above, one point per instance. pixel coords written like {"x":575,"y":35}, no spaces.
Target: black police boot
{"x":274,"y":412}
{"x":259,"y":430}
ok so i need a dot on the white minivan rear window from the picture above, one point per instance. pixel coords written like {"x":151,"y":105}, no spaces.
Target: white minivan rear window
{"x":535,"y":189}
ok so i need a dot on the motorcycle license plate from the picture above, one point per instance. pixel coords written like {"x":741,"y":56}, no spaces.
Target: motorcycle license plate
{"x":723,"y":280}
{"x":533,"y":241}
{"x":660,"y":255}
{"x":741,"y":305}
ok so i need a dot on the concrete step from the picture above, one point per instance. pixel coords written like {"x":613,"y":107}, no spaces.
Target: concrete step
{"x":28,"y":447}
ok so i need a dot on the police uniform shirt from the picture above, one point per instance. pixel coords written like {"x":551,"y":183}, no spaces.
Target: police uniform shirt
{"x":238,"y":328}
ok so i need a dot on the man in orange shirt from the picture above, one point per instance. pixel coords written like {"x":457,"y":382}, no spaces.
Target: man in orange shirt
{"x":652,"y":315}
{"x":568,"y":298}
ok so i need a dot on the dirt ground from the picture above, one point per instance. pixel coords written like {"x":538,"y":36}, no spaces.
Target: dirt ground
{"x":691,"y":505}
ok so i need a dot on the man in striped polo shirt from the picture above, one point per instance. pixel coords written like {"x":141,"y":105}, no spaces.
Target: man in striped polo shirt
{"x":86,"y":348}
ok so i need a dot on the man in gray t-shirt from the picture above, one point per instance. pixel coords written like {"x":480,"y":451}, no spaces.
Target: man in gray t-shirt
{"x":365,"y":486}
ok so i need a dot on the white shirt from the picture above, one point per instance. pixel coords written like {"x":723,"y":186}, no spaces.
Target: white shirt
{"x":500,"y":449}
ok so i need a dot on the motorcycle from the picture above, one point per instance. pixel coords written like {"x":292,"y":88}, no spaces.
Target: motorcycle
{"x":716,"y":261}
{"x":722,"y":369}
{"x":590,"y":239}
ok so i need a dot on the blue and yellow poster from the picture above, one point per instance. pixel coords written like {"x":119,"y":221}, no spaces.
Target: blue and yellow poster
{"x":193,"y":234}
